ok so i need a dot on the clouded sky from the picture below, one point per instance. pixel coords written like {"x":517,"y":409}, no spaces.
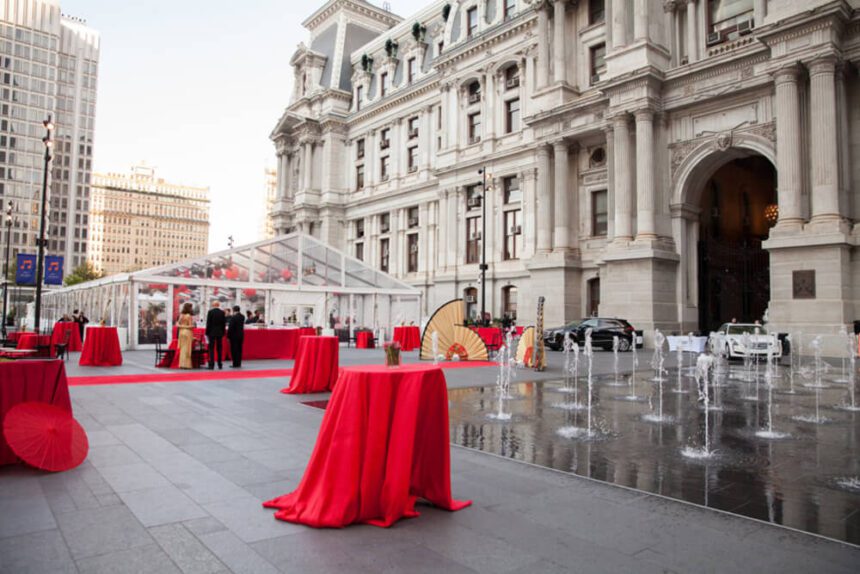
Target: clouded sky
{"x":194,"y":87}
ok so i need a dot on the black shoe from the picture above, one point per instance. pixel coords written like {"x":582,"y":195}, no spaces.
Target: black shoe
{"x":220,"y":366}
{"x":235,"y":366}
{"x":212,"y":367}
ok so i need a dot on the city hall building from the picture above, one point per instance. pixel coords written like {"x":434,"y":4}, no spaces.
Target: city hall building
{"x":677,"y":163}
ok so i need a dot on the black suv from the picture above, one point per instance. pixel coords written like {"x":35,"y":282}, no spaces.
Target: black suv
{"x":603,"y":330}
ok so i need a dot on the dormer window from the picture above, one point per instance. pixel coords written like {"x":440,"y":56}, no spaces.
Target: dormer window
{"x":509,"y":8}
{"x":385,"y":138}
{"x":413,"y":127}
{"x":359,"y":149}
{"x":472,"y":21}
{"x":474,"y":92}
{"x":411,"y":70}
{"x":304,"y":83}
{"x":383,"y":84}
{"x":512,"y":78}
{"x":359,"y":95}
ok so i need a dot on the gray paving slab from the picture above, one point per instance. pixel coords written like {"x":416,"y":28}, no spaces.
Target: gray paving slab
{"x":143,"y":560}
{"x":247,"y":518}
{"x":189,"y":554}
{"x":24,"y":515}
{"x":163,"y":505}
{"x":129,"y":477}
{"x":236,"y":554}
{"x":36,"y":553}
{"x":102,"y":531}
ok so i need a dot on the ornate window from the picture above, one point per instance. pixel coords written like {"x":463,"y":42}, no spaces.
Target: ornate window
{"x":599,"y":213}
{"x":473,"y":239}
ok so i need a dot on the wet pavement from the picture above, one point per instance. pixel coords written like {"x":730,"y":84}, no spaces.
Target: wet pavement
{"x":808,"y":479}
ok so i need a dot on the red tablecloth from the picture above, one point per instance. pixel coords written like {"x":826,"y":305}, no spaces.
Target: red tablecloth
{"x":409,"y":337}
{"x":316,"y":366}
{"x":364,"y":340}
{"x":199,"y":333}
{"x":59,"y":335}
{"x":29,"y":341}
{"x":383,"y":443}
{"x":492,"y":336}
{"x":16,"y":336}
{"x":26,"y":381}
{"x":101,"y":348}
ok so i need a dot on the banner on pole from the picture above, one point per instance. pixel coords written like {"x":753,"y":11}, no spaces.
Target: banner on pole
{"x":25,"y":273}
{"x":54,"y":270}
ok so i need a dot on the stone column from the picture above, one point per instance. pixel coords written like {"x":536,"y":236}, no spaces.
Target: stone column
{"x":309,"y":167}
{"x":759,"y":12}
{"x":529,"y":213}
{"x":444,"y":222}
{"x":645,"y":189}
{"x":610,"y":182}
{"x":623,"y":191}
{"x":544,"y":200}
{"x":824,"y":130}
{"x":425,"y":138}
{"x":574,"y":226}
{"x":640,"y":19}
{"x":558,"y":40}
{"x":619,"y":23}
{"x":561,"y":209}
{"x":789,"y":158}
{"x":454,"y":227}
{"x":280,"y":176}
{"x":289,"y":184}
{"x":846,"y":204}
{"x":394,"y":149}
{"x":692,"y":35}
{"x":488,"y":106}
{"x":669,"y":12}
{"x":543,"y":47}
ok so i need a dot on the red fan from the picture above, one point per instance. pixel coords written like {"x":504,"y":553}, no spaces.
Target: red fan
{"x":45,"y":436}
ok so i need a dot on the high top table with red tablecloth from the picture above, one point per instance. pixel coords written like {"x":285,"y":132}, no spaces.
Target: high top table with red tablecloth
{"x":316,"y":366}
{"x":15,"y":336}
{"x":29,"y":341}
{"x":101,"y":348}
{"x":58,"y":337}
{"x":364,"y":340}
{"x":383,"y":444}
{"x":408,"y":336}
{"x":492,"y":336}
{"x":30,"y":381}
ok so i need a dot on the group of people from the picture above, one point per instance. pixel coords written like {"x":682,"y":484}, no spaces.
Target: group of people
{"x":78,"y":317}
{"x":218,"y":324}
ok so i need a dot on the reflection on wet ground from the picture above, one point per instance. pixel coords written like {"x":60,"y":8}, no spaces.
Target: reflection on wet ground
{"x":808,"y":479}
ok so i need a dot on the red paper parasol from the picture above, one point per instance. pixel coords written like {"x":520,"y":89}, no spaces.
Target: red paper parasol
{"x":45,"y":436}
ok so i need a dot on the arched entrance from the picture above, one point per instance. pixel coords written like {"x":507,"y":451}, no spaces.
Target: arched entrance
{"x":737,"y":210}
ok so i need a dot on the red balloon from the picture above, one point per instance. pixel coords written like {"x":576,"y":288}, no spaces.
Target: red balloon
{"x":287,"y":274}
{"x":216,"y":273}
{"x":232,"y":273}
{"x":250,"y":293}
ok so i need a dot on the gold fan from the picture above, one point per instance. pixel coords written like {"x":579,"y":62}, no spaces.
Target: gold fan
{"x":526,"y":348}
{"x":453,"y":337}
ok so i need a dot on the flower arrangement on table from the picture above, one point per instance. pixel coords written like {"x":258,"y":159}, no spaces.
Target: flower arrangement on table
{"x":392,"y":354}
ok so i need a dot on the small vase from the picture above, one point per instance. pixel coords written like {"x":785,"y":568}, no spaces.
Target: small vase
{"x":392,"y":358}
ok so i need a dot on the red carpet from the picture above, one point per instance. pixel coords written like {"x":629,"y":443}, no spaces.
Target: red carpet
{"x":178,"y":377}
{"x":225,"y":375}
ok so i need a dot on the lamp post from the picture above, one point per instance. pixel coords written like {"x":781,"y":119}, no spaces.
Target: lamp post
{"x":40,"y":259}
{"x":9,"y":208}
{"x":483,"y":267}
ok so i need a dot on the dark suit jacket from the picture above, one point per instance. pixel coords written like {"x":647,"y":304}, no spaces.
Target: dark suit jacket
{"x":216,"y":323}
{"x":236,"y":327}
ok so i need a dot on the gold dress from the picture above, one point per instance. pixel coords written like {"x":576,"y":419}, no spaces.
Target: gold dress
{"x":186,"y":341}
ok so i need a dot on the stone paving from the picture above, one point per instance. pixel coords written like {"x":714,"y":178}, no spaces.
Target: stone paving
{"x":177,"y":472}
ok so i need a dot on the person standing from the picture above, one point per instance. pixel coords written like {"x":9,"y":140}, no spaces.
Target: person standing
{"x":185,"y":326}
{"x":216,"y":324}
{"x":82,"y":323}
{"x":236,"y":335}
{"x":250,"y":319}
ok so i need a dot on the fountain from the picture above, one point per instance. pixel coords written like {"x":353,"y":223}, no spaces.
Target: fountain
{"x":634,"y":363}
{"x":507,"y":364}
{"x":588,"y":432}
{"x":571,"y":375}
{"x":771,"y":376}
{"x":680,"y":360}
{"x":616,"y":343}
{"x":849,"y":342}
{"x":693,"y":355}
{"x":657,"y":363}
{"x":851,"y":405}
{"x":704,"y":368}
{"x":792,"y":362}
{"x":819,"y":367}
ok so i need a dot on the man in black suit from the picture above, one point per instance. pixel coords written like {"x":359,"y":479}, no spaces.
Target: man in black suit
{"x":216,"y":325}
{"x":236,"y":334}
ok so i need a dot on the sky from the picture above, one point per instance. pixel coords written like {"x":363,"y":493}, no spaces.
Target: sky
{"x":194,"y":88}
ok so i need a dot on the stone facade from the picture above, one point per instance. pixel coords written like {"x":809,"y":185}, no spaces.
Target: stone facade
{"x":599,"y":124}
{"x":138,"y":221}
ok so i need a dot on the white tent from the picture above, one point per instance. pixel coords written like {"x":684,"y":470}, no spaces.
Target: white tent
{"x":290,"y":279}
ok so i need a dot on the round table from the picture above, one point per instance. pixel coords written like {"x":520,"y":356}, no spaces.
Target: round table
{"x":364,"y":340}
{"x":70,"y":330}
{"x":382,"y":444}
{"x":408,"y":336}
{"x":316,"y":367}
{"x":101,"y":348}
{"x":29,"y":341}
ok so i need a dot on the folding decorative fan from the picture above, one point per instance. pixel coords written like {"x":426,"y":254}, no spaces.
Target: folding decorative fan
{"x":526,"y":348}
{"x":453,"y":337}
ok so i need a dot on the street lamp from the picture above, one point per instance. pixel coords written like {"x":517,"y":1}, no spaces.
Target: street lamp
{"x":41,"y":242}
{"x":483,"y":267}
{"x":9,"y":221}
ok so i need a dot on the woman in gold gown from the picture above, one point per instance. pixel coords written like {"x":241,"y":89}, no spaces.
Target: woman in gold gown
{"x":186,"y":336}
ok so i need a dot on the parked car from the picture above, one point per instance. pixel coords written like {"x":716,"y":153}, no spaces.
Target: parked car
{"x":759,"y":341}
{"x":603,"y":330}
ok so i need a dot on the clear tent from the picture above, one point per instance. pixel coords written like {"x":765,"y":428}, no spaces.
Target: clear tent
{"x":292,"y":279}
